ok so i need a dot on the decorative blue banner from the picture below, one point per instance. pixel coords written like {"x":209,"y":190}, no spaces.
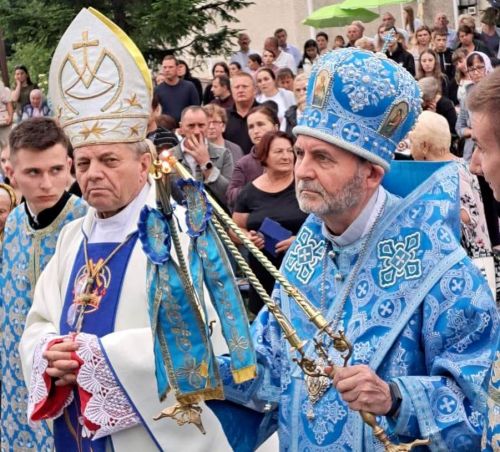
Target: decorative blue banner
{"x":209,"y":264}
{"x":181,"y":342}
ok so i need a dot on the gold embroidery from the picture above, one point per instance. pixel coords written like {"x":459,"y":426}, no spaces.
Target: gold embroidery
{"x":96,"y":130}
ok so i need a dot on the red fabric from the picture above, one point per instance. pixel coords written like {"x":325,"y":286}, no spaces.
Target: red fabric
{"x":57,"y":395}
{"x":84,"y":399}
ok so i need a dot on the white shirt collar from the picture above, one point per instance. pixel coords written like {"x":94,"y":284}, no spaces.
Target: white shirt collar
{"x":115,"y":229}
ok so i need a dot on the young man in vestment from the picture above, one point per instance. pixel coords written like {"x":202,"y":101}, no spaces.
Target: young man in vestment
{"x":41,"y":169}
{"x":484,"y":105}
{"x":387,"y":270}
{"x":88,"y":351}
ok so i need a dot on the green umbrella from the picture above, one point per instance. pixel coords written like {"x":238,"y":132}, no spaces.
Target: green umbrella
{"x":335,"y":16}
{"x":353,"y":5}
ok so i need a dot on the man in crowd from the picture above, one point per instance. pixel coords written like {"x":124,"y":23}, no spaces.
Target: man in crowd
{"x":283,"y":59}
{"x":241,"y":56}
{"x":221,"y":89}
{"x":210,"y":164}
{"x":41,"y":171}
{"x":441,"y":24}
{"x":390,"y":21}
{"x":423,"y":335}
{"x":174,"y":93}
{"x":484,"y":105}
{"x":354,"y":32}
{"x":444,"y":53}
{"x":87,"y":349}
{"x":243,"y":92}
{"x":322,"y":41}
{"x":281,"y":35}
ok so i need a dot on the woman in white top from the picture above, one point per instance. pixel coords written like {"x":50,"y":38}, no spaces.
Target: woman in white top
{"x":266,"y":83}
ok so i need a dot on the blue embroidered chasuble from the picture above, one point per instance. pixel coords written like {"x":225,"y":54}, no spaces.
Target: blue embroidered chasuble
{"x":25,"y":254}
{"x":419,"y":313}
{"x":99,"y":320}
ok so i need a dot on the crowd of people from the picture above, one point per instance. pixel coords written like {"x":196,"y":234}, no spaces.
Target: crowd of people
{"x":281,"y":138}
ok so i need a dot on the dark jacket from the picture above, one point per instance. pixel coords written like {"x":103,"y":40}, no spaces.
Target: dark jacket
{"x":403,"y":58}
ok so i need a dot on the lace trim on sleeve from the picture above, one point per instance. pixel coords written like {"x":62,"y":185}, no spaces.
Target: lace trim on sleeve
{"x":38,"y":389}
{"x":108,"y":406}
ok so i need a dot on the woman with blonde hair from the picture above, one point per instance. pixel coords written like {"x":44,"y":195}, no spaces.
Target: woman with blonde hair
{"x":421,"y":41}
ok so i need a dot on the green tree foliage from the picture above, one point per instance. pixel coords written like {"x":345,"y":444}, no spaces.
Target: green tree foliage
{"x":32,"y":28}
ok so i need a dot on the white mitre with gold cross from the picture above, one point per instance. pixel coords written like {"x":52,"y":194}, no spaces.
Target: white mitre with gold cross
{"x":99,"y":83}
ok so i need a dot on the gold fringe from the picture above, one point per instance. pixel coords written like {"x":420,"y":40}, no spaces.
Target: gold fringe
{"x":245,"y":374}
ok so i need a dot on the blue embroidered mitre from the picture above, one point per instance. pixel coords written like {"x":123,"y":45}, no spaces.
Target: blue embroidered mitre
{"x":362,"y":102}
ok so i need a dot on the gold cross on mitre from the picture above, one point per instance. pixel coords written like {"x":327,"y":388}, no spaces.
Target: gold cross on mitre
{"x":87,"y":74}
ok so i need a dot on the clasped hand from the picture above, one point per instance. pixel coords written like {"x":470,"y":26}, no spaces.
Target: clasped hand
{"x":362,"y":389}
{"x":61,"y":365}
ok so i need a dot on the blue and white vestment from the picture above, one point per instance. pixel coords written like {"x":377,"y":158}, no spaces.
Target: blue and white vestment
{"x":419,"y":313}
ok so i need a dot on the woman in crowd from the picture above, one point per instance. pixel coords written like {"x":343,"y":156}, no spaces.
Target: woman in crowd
{"x":260,"y":120}
{"x":270,"y":196}
{"x":410,"y":23}
{"x":254,"y":63}
{"x":478,"y":66}
{"x":309,"y":57}
{"x":234,"y":68}
{"x":184,"y":72}
{"x":431,"y":142}
{"x":266,"y":83}
{"x":422,"y":42}
{"x":379,"y":38}
{"x":433,"y":100}
{"x":428,"y":66}
{"x":21,"y":92}
{"x":268,"y":59}
{"x":217,"y":120}
{"x":218,"y":69}
{"x":459,"y":83}
{"x":294,"y":113}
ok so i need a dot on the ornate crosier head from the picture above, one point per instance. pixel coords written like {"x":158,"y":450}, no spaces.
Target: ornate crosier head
{"x":362,"y":102}
{"x":99,"y":83}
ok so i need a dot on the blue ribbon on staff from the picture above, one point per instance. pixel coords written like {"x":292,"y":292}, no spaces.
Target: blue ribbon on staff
{"x":210,"y":265}
{"x":183,"y":353}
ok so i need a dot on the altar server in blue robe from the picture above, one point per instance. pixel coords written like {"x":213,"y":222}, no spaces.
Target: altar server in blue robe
{"x":388,"y":270}
{"x":41,"y":169}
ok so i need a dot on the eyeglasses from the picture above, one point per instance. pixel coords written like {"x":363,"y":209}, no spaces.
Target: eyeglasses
{"x":214,"y":123}
{"x":476,"y":69}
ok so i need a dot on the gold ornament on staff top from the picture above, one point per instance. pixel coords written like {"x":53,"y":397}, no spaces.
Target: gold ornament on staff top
{"x":165,"y":165}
